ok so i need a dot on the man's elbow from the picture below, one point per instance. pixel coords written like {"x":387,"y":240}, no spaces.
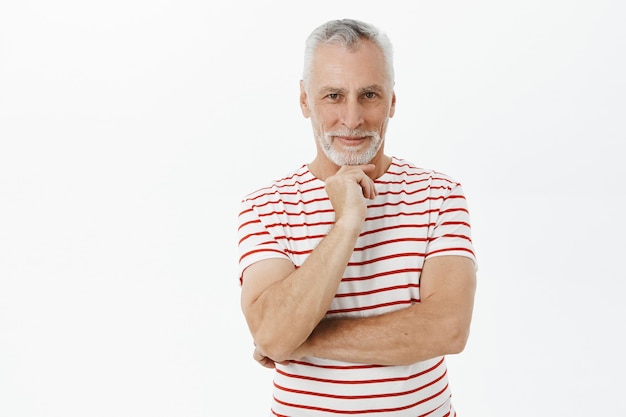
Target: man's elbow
{"x":275,"y":353}
{"x":278,"y":349}
{"x":457,"y":338}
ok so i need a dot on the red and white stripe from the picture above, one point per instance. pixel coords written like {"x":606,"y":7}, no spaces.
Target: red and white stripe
{"x":417,"y":214}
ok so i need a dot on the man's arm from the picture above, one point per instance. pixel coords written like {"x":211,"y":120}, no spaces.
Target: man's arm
{"x":282,"y":304}
{"x":436,"y":326}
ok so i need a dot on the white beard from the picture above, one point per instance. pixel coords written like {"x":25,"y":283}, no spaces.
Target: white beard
{"x":354,"y":155}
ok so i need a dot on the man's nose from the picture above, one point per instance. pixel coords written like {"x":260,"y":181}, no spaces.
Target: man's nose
{"x":352,"y":116}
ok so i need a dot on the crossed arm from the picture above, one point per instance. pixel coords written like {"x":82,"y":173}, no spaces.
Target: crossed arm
{"x":285,"y":307}
{"x":436,"y":326}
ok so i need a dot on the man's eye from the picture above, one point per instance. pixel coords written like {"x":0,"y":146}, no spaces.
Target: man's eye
{"x":333,"y":96}
{"x":370,"y":95}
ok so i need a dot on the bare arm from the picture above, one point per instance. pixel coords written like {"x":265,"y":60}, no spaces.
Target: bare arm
{"x":436,"y":326}
{"x":282,"y":304}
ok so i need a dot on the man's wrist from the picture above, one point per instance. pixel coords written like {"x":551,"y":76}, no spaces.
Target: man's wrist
{"x":349,"y":226}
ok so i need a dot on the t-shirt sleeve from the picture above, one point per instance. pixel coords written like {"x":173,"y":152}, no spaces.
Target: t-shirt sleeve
{"x":452,"y":232}
{"x":255,"y":242}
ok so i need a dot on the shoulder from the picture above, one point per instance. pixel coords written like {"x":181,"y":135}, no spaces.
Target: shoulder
{"x":410,"y":173}
{"x":294,"y":188}
{"x":291,"y":180}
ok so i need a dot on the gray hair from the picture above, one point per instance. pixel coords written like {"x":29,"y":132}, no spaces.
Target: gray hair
{"x":349,"y":33}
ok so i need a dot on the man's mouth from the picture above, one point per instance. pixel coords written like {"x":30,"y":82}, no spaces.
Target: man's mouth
{"x":351,"y":140}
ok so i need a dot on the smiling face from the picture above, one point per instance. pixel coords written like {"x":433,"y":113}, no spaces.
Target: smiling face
{"x":349,"y":98}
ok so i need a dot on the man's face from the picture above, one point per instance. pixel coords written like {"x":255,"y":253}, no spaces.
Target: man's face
{"x":349,"y":99}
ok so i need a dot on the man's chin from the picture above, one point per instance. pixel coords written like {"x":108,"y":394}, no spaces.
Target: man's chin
{"x":356,"y":160}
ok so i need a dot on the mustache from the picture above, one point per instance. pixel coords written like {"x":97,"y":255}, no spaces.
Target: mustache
{"x":352,"y":133}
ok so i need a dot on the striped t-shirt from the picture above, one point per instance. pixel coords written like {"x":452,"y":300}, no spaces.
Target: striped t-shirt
{"x":417,"y":214}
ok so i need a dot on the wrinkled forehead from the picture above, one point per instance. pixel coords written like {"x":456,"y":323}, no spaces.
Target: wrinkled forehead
{"x":361,"y":65}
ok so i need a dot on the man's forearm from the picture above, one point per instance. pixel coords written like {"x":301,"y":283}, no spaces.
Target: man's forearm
{"x":388,"y":339}
{"x":285,"y":314}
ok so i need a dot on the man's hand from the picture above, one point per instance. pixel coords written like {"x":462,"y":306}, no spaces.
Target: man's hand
{"x":348,"y":190}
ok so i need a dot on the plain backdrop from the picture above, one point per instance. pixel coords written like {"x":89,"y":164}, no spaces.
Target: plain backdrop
{"x":129,"y":131}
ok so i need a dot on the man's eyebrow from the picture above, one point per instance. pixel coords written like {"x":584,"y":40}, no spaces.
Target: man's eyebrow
{"x":374,"y":88}
{"x":331,"y":90}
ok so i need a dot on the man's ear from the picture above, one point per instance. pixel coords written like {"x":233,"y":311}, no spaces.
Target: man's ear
{"x":392,"y":109}
{"x":304,"y":103}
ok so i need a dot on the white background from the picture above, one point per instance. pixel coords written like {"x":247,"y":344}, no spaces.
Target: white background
{"x":130,"y":129}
